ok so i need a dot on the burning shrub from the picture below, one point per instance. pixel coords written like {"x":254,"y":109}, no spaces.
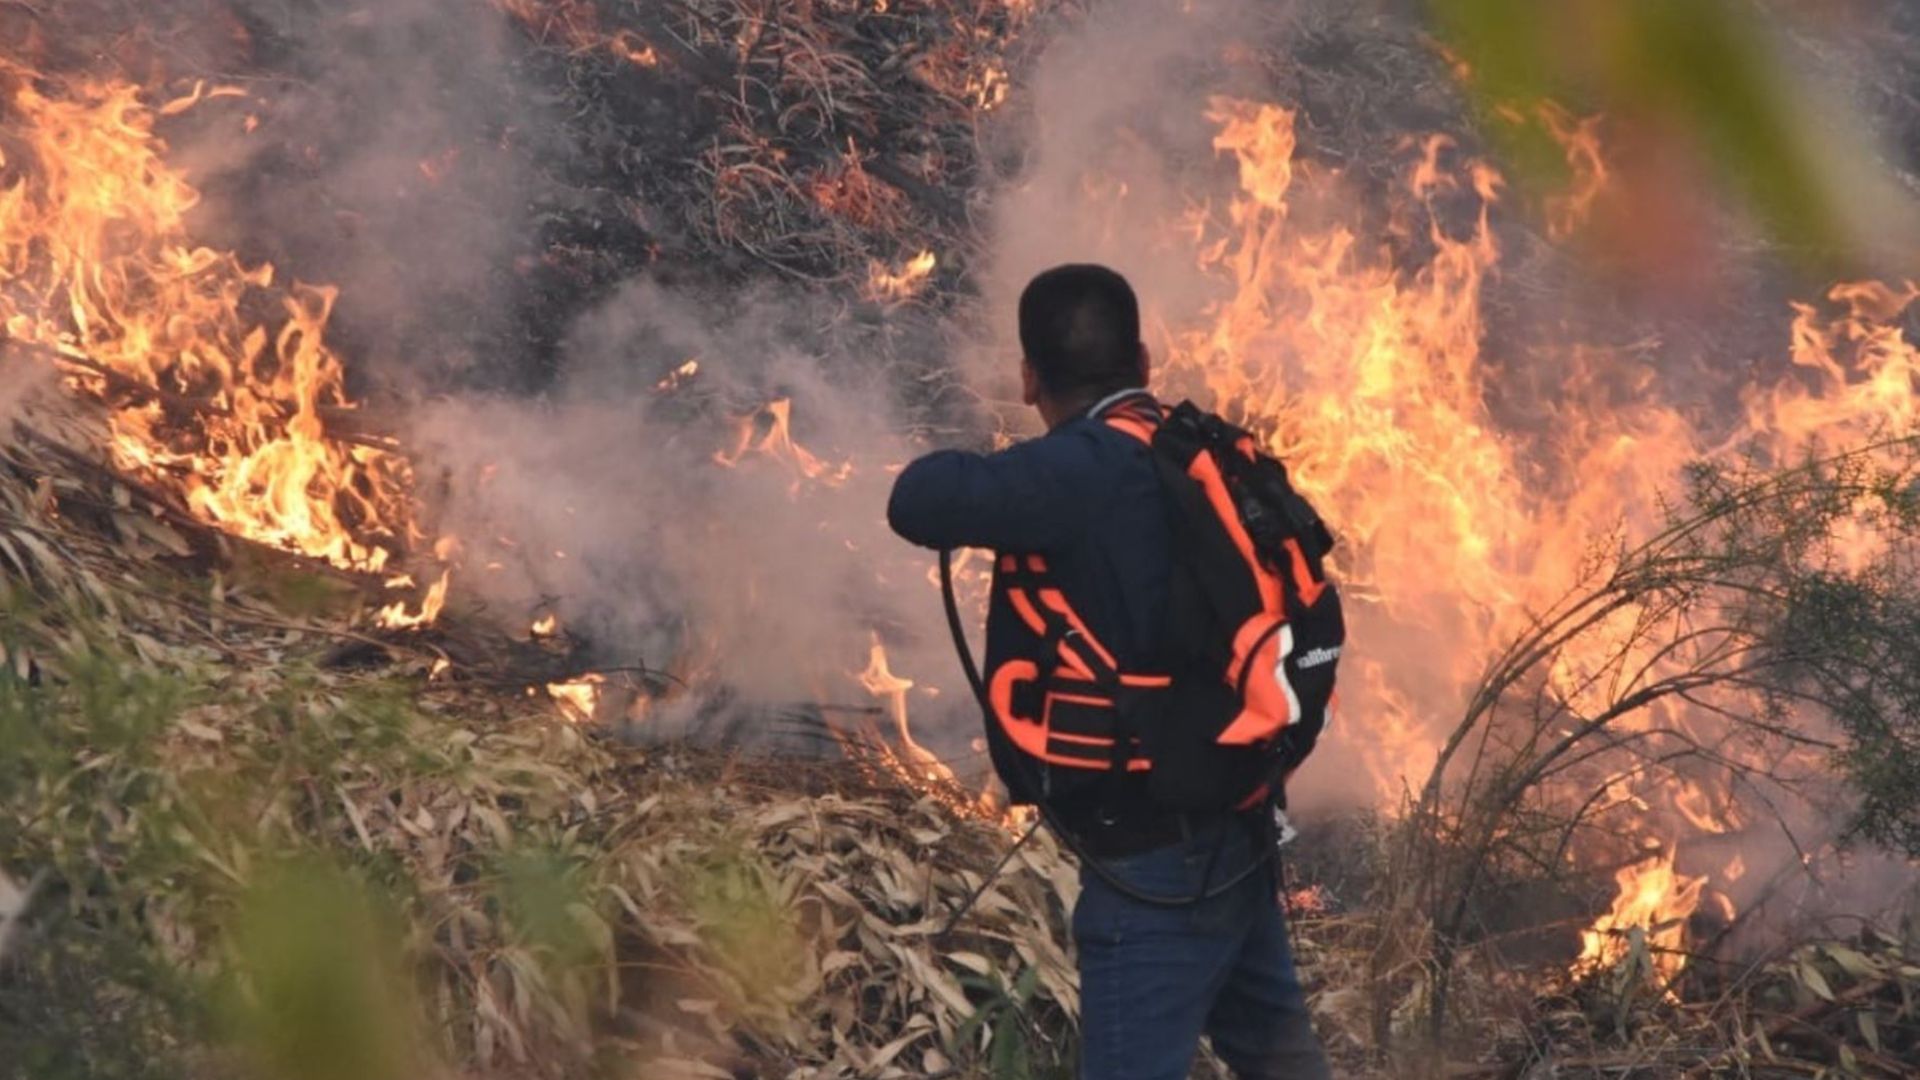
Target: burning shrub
{"x":1779,"y":607}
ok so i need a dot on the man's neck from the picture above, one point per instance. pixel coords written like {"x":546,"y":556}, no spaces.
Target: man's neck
{"x":1100,"y":407}
{"x":1087,"y":406}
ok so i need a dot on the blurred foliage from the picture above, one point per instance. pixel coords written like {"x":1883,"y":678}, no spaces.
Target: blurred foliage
{"x":1702,"y":70}
{"x":285,"y":873}
{"x":210,"y":879}
{"x":744,"y":911}
{"x":316,"y":990}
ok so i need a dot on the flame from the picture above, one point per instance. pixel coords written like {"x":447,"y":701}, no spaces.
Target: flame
{"x":678,"y":377}
{"x":989,"y":87}
{"x":1580,"y":141}
{"x":1366,"y":372}
{"x":1368,"y":377}
{"x":1655,"y":902}
{"x":397,"y":616}
{"x":1309,"y":901}
{"x":545,"y":626}
{"x":776,"y":442}
{"x":879,"y":680}
{"x":884,"y":284}
{"x":579,"y":699}
{"x":219,"y":379}
{"x":914,"y":764}
{"x":575,"y":25}
{"x":1394,"y":436}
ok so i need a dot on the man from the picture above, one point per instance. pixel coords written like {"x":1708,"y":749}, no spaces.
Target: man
{"x":1085,"y":504}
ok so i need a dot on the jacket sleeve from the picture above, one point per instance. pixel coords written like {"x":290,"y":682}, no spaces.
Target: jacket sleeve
{"x":1031,"y":497}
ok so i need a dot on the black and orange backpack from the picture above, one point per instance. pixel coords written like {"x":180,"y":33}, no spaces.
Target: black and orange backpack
{"x":1253,"y":635}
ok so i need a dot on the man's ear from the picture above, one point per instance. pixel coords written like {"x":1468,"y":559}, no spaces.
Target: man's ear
{"x":1029,"y":383}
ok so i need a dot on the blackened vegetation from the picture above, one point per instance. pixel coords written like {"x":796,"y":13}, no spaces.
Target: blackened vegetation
{"x":476,"y":180}
{"x":702,"y":145}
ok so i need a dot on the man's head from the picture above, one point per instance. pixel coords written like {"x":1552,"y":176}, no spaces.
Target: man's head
{"x":1080,"y":331}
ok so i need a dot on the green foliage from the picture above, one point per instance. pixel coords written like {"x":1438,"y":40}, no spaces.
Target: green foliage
{"x":743,"y":911}
{"x":314,"y":988}
{"x":1003,"y":1026}
{"x":282,"y":873}
{"x":195,"y":893}
{"x":1823,"y":554}
{"x":1698,"y":66}
{"x":81,"y":794}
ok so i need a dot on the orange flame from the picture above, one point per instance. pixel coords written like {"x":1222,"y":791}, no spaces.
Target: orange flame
{"x":1654,"y":903}
{"x":1580,"y":141}
{"x":579,"y":699}
{"x":397,"y":616}
{"x":1367,"y":375}
{"x":914,"y":764}
{"x":575,"y":25}
{"x":884,"y":284}
{"x":678,"y":377}
{"x":776,"y":442}
{"x":1369,"y":379}
{"x":212,"y":398}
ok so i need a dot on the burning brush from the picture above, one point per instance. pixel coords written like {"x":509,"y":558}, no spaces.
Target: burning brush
{"x":221,"y":388}
{"x":219,"y":378}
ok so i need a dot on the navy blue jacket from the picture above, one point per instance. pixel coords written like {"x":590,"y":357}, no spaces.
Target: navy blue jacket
{"x":1085,"y":496}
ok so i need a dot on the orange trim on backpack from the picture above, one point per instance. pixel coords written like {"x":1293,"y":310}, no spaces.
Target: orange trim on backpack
{"x":1266,"y":709}
{"x":1027,"y":733}
{"x":1251,"y":728}
{"x":1080,"y":740}
{"x":1082,"y":699}
{"x":1023,"y":606}
{"x":1310,"y":589}
{"x":1131,"y":425}
{"x":1057,"y":600}
{"x":1207,"y":471}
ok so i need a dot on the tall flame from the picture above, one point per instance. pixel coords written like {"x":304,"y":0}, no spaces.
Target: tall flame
{"x":1366,"y":373}
{"x":219,"y":378}
{"x":1368,"y":377}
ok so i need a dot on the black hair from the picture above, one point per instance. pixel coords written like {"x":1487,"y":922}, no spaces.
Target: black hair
{"x":1080,"y":328}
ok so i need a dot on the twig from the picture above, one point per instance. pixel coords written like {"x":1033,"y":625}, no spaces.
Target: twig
{"x":1780,"y":1024}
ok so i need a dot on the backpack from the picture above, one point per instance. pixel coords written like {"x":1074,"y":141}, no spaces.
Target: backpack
{"x":1254,"y":626}
{"x":1245,"y":677}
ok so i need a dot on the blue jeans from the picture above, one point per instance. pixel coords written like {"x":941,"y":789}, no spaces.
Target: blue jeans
{"x":1154,"y":979}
